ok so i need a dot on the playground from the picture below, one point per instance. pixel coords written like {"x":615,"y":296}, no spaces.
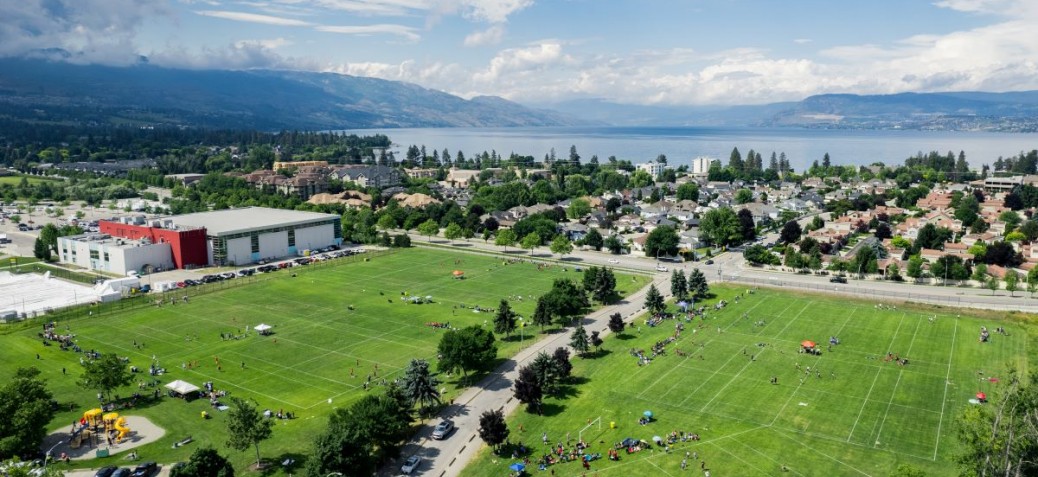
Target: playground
{"x":101,"y":434}
{"x":773,"y":382}
{"x":328,"y":334}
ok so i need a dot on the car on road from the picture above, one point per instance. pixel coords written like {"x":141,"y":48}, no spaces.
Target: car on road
{"x":613,"y":260}
{"x":442,"y":430}
{"x":146,"y":469}
{"x":105,"y":471}
{"x":709,"y":262}
{"x":837,"y":280}
{"x":411,"y":464}
{"x":121,"y":472}
{"x":661,"y":268}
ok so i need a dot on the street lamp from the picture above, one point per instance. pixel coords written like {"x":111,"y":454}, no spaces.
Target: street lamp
{"x":46,"y":457}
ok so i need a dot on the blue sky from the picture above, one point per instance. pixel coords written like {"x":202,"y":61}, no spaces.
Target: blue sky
{"x":670,"y":52}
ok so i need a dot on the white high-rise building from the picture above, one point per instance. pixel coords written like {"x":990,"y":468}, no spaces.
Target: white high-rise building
{"x":701,"y":165}
{"x":653,"y":168}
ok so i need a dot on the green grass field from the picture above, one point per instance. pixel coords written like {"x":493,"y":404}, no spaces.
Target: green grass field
{"x":854,"y":414}
{"x":15,"y":180}
{"x":317,"y":340}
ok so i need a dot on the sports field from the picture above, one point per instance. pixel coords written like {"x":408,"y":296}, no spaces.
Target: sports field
{"x":854,"y":413}
{"x":319,"y":355}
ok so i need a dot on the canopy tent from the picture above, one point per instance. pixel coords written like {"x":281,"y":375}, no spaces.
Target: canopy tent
{"x":182,"y":387}
{"x":262,"y":329}
{"x":807,"y":344}
{"x":458,"y":273}
{"x":982,"y":396}
{"x":518,"y":467}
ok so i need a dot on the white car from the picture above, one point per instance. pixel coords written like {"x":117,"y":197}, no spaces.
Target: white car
{"x":661,"y":268}
{"x":613,"y":260}
{"x":411,"y":464}
{"x":442,"y":430}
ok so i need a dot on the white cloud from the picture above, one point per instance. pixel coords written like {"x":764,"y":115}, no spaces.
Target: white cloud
{"x":490,"y":36}
{"x":802,"y":41}
{"x":268,"y":44}
{"x":366,"y":30}
{"x":522,"y":61}
{"x":252,"y":18}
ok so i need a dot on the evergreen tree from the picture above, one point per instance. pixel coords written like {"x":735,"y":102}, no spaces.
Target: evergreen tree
{"x":678,"y":284}
{"x":542,"y":313}
{"x":505,"y":320}
{"x":419,"y":385}
{"x":697,"y":285}
{"x":563,"y":367}
{"x":616,"y":322}
{"x":654,"y":300}
{"x":528,"y":390}
{"x":735,"y":161}
{"x":579,"y":340}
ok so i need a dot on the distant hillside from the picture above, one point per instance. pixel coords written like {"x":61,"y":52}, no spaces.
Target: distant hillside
{"x":959,"y":111}
{"x":144,"y":95}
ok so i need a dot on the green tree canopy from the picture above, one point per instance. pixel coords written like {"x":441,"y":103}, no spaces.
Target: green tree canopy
{"x":467,"y":349}
{"x":26,"y":404}
{"x":662,"y":241}
{"x":204,"y":462}
{"x":246,"y":426}
{"x":492,"y":428}
{"x":105,"y":373}
{"x":720,"y":226}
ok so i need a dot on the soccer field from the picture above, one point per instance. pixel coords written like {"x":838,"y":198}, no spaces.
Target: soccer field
{"x":321,"y":351}
{"x":854,"y":413}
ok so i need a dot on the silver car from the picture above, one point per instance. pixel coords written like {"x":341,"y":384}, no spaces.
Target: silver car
{"x":442,"y":430}
{"x":411,"y":464}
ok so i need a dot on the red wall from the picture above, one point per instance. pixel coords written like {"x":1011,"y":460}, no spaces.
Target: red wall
{"x":189,"y":246}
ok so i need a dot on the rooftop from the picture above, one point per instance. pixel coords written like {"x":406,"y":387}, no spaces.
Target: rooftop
{"x":232,"y":221}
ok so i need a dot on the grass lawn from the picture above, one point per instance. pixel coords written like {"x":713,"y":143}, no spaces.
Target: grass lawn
{"x":305,"y":366}
{"x":854,"y":414}
{"x":33,"y":180}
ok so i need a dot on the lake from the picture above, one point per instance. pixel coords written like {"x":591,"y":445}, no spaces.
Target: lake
{"x":681,"y":144}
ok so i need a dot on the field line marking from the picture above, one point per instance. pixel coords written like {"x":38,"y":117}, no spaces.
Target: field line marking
{"x":793,"y":439}
{"x":729,"y":383}
{"x":944,"y":401}
{"x":658,"y":467}
{"x":790,"y":322}
{"x":896,"y":383}
{"x":740,"y":459}
{"x":674,"y":368}
{"x":796,"y":389}
{"x":769,"y":458}
{"x":874,"y":380}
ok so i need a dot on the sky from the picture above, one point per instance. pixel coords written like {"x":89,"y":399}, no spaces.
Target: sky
{"x":648,"y":52}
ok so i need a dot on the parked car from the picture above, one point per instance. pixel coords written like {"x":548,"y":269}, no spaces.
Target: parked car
{"x":121,"y":472}
{"x":709,"y":262}
{"x":442,"y":430}
{"x":661,"y":268}
{"x":105,"y":471}
{"x":146,"y":469}
{"x":838,"y":280}
{"x":411,"y":464}
{"x":613,"y":260}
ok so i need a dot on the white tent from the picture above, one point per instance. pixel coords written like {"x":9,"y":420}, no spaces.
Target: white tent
{"x":182,"y":387}
{"x":262,"y":328}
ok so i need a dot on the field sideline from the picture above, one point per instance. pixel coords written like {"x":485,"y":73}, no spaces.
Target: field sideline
{"x":321,"y":352}
{"x":854,"y":413}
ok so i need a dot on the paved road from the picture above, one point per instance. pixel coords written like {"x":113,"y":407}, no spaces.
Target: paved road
{"x":443,"y":458}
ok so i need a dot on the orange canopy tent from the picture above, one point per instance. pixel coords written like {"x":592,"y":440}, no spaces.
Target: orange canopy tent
{"x":807,"y":344}
{"x":458,"y":273}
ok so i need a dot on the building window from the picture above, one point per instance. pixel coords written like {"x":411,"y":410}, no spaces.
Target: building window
{"x":106,"y":257}
{"x":255,"y":243}
{"x":292,"y":238}
{"x":94,"y":254}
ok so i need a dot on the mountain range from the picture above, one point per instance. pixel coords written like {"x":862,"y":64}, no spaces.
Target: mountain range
{"x":48,"y":91}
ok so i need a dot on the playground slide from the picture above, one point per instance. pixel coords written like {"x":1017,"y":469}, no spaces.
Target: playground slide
{"x":120,"y":426}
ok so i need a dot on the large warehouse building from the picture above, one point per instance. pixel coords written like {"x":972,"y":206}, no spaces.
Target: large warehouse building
{"x":240,"y":236}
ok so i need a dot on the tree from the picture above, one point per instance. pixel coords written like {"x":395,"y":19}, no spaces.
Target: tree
{"x":949,"y":267}
{"x":561,"y":245}
{"x":662,"y":240}
{"x":204,"y":462}
{"x":492,"y":428}
{"x":594,"y":239}
{"x":401,"y":241}
{"x":429,"y":228}
{"x":579,"y":341}
{"x":505,"y":319}
{"x":790,"y":232}
{"x":41,"y":250}
{"x":688,"y":191}
{"x":560,"y":361}
{"x":616,"y":323}
{"x":386,"y":222}
{"x":654,"y":300}
{"x":505,"y":238}
{"x":747,"y":229}
{"x":453,"y":232}
{"x":1001,"y":437}
{"x":883,"y":231}
{"x":613,"y":244}
{"x":467,"y":349}
{"x":246,"y":427}
{"x":578,"y":208}
{"x":27,"y":406}
{"x":542,"y":313}
{"x":531,"y":241}
{"x":358,"y":437}
{"x":743,"y":196}
{"x":549,"y":371}
{"x":528,"y":390}
{"x":565,"y":300}
{"x":980,"y":273}
{"x":596,"y":340}
{"x":678,"y":284}
{"x":419,"y":385}
{"x":697,"y":286}
{"x":992,"y":284}
{"x":105,"y":373}
{"x":1012,"y":280}
{"x":720,"y":226}
{"x":915,"y":267}
{"x":894,"y":272}
{"x":760,"y":255}
{"x":601,"y":283}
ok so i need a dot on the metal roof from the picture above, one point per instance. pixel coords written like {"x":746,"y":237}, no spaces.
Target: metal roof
{"x":249,"y":219}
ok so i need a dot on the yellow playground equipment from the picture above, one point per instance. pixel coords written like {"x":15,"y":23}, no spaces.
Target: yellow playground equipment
{"x":93,"y":417}
{"x":120,"y":426}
